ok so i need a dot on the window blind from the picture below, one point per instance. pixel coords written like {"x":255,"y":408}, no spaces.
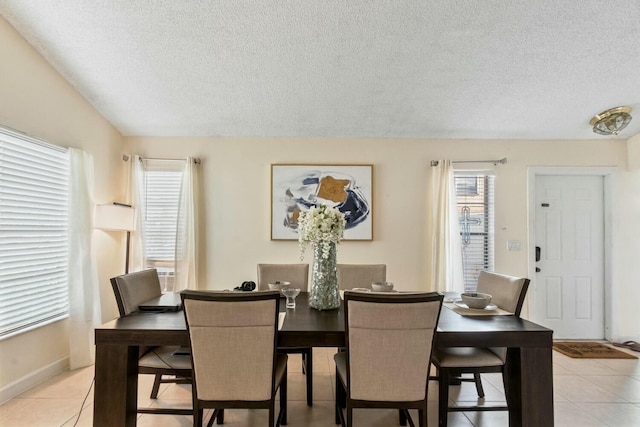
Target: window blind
{"x":163,"y":179}
{"x":475,"y":203}
{"x":33,"y":232}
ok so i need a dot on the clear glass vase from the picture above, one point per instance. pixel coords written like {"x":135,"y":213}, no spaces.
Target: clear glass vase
{"x":324,"y":293}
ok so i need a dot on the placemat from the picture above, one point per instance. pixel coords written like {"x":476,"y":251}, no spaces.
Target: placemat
{"x":475,"y":312}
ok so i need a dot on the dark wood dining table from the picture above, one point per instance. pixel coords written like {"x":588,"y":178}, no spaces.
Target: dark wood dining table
{"x":529,"y":361}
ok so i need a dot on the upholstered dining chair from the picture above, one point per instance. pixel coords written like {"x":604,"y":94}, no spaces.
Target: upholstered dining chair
{"x":389,"y":338}
{"x":507,"y":293}
{"x":233,"y":350}
{"x":131,"y":290}
{"x":360,"y":275}
{"x":298,"y":275}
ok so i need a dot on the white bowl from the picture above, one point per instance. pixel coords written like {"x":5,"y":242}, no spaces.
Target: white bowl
{"x":382,"y":286}
{"x":475,"y":300}
{"x":278,"y":285}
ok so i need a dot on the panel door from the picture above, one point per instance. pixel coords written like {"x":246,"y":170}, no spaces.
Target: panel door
{"x":569,"y":288}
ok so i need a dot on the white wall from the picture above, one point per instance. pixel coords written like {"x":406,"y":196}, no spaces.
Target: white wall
{"x":236,"y":195}
{"x":36,"y":100}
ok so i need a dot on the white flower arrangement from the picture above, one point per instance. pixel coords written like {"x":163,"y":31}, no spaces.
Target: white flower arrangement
{"x":320,"y":226}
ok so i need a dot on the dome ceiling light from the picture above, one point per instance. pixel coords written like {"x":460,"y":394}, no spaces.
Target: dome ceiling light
{"x":611,"y":121}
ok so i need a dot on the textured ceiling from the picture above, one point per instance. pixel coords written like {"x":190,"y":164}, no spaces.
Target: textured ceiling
{"x":358,"y":68}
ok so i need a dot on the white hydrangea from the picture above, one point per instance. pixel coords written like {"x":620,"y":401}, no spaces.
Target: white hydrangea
{"x":320,"y":226}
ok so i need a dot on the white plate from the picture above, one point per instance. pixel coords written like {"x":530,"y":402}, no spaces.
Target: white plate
{"x":489,"y":307}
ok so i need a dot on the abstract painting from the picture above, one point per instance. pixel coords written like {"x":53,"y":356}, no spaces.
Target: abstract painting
{"x":296,"y":188}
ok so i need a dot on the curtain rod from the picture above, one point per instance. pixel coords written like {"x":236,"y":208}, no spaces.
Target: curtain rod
{"x":495,"y":162}
{"x":196,"y":160}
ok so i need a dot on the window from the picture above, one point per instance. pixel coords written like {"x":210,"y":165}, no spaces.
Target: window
{"x":475,"y":201}
{"x":162,"y":181}
{"x":33,"y":233}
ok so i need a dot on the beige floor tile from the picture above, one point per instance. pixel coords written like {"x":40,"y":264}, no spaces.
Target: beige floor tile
{"x":560,"y":370}
{"x":625,"y":387}
{"x":467,"y":392}
{"x":322,"y":388}
{"x":85,"y":420}
{"x":577,"y":389}
{"x":152,"y":420}
{"x":488,"y":419}
{"x":585,"y":366}
{"x":613,"y":414}
{"x":622,"y":366}
{"x":68,"y":385}
{"x":323,"y":359}
{"x":570,"y":415}
{"x":176,"y":391}
{"x":47,"y":412}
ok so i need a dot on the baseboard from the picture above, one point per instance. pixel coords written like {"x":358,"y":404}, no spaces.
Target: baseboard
{"x":33,"y":379}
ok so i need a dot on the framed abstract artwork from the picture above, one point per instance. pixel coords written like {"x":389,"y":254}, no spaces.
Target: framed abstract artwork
{"x":296,"y":188}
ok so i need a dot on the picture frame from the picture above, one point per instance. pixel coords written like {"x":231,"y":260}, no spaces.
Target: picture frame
{"x":297,"y":187}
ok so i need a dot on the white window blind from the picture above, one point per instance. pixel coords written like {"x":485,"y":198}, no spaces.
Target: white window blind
{"x":33,"y":232}
{"x":475,"y":201}
{"x":163,"y":179}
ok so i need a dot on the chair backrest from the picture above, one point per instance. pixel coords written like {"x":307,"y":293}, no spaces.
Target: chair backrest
{"x":389,"y":338}
{"x":297,"y":274}
{"x":360,"y":275}
{"x":233,"y":343}
{"x":507,"y":292}
{"x":133,"y":289}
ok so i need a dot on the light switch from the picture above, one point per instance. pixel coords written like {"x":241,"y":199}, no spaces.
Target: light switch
{"x":513,"y":245}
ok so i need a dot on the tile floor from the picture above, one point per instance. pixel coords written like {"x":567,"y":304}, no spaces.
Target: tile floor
{"x":592,"y":392}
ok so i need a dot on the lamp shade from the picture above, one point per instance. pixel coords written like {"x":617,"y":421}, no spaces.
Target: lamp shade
{"x":115,"y":217}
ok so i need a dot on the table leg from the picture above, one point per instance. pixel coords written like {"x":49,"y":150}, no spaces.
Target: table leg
{"x":529,"y":378}
{"x":116,"y":386}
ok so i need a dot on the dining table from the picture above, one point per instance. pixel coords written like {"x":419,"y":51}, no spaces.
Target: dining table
{"x":529,"y":368}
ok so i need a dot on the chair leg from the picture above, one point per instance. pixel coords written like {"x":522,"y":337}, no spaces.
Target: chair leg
{"x":214,"y":416}
{"x":478,"y":382}
{"x":309,"y":373}
{"x":197,"y":415}
{"x":422,"y":416}
{"x":443,"y":396}
{"x":283,"y":399}
{"x":402,"y":417}
{"x":349,"y":415}
{"x":341,"y":396}
{"x":505,"y":381}
{"x":220,"y":417}
{"x":156,"y":386}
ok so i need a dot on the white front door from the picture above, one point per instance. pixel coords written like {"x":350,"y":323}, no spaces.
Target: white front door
{"x":569,"y":286}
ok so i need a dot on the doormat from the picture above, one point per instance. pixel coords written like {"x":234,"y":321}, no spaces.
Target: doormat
{"x":590,"y":350}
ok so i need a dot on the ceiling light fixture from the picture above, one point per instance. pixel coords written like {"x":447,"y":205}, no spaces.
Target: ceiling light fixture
{"x":611,"y":121}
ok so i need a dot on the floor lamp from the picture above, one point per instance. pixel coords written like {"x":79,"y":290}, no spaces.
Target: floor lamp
{"x":117,"y":217}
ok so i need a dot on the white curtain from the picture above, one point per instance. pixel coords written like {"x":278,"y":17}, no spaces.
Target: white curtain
{"x":137,"y":259}
{"x":444,"y":249}
{"x":185,"y":263}
{"x":84,"y":296}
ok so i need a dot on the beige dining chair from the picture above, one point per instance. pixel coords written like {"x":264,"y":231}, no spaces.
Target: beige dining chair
{"x":298,"y":275}
{"x":168,"y":366}
{"x":233,"y":340}
{"x":360,"y":275}
{"x":507,"y":293}
{"x":389,"y":339}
